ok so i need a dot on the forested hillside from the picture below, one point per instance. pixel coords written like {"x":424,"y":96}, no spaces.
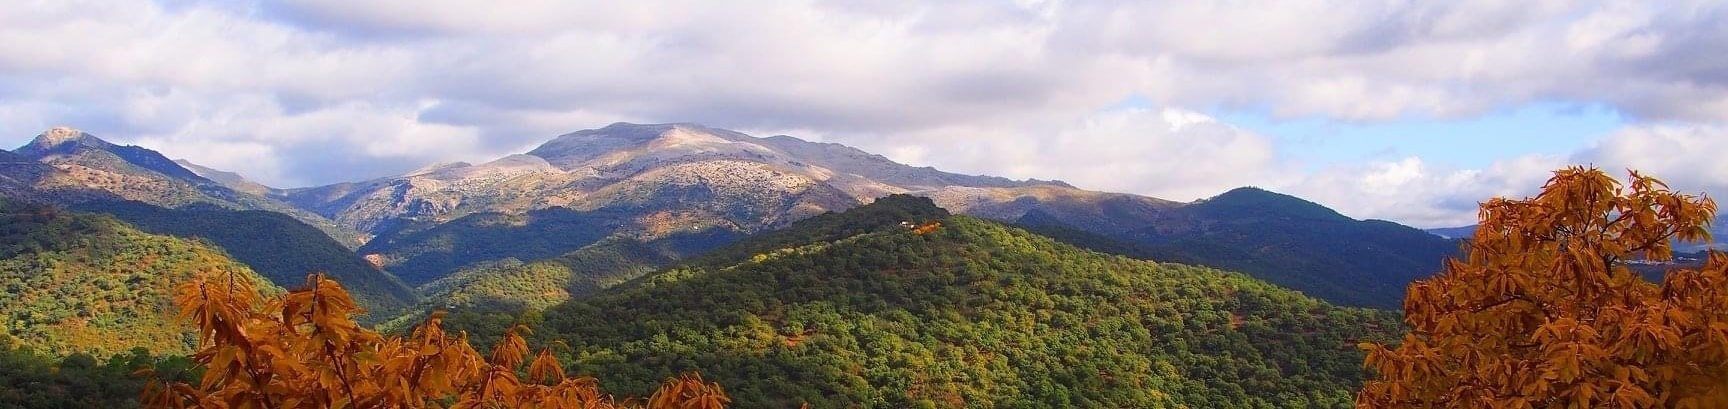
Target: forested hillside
{"x":512,"y":286}
{"x":79,"y":282}
{"x":869,"y":312}
{"x":32,"y":379}
{"x":275,"y":245}
{"x":420,"y":254}
{"x":1281,"y":239}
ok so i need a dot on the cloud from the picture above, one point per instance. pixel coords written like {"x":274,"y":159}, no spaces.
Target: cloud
{"x":1686,"y":156}
{"x":285,"y":147}
{"x":1411,"y":191}
{"x":1168,"y":153}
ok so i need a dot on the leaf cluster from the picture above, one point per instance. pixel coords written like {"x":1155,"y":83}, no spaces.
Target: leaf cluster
{"x":1545,"y":312}
{"x":304,"y":350}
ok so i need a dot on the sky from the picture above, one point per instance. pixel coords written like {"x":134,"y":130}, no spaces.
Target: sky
{"x":1411,"y":111}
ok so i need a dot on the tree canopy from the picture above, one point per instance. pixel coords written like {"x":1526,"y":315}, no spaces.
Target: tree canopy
{"x":304,"y":350}
{"x":856,"y":309}
{"x":1544,"y":311}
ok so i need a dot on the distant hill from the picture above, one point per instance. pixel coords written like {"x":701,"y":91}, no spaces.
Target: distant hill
{"x":1281,"y":239}
{"x":856,"y":309}
{"x":1460,"y":232}
{"x":78,"y":282}
{"x":1302,"y":245}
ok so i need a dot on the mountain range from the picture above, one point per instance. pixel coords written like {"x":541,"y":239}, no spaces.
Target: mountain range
{"x":597,"y":207}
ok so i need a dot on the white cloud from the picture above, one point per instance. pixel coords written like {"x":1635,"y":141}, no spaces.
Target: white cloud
{"x":1685,"y":156}
{"x":1162,"y":152}
{"x":1414,"y":192}
{"x":1168,"y":153}
{"x":1689,"y":157}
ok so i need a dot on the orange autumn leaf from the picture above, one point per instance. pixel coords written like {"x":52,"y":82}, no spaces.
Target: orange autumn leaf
{"x":1543,"y":311}
{"x":304,"y":350}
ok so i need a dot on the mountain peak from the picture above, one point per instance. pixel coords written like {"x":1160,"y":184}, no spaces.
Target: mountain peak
{"x":687,"y":139}
{"x":1250,"y":200}
{"x":634,"y":128}
{"x":59,"y":136}
{"x":69,"y":145}
{"x":657,"y":127}
{"x":635,"y":131}
{"x":437,"y":166}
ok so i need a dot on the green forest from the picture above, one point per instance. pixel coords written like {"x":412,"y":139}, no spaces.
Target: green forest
{"x":1279,"y":238}
{"x":975,"y":313}
{"x":275,"y":245}
{"x":37,"y":380}
{"x":78,"y":282}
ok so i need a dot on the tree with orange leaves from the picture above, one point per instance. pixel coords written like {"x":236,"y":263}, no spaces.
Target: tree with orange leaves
{"x":1544,"y":313}
{"x":304,"y":350}
{"x":926,"y":228}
